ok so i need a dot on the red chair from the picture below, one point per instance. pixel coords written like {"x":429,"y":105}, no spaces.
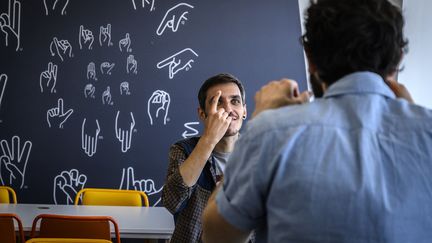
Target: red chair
{"x":7,"y":228}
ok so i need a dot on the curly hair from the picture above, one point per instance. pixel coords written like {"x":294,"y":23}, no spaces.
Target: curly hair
{"x":345,"y":36}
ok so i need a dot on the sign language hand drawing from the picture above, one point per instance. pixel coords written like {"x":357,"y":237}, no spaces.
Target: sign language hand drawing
{"x":147,"y":186}
{"x":131,"y":65}
{"x":57,"y":115}
{"x":124,"y":135}
{"x":125,"y":43}
{"x":13,"y":162}
{"x":66,"y":185}
{"x":3,"y":82}
{"x":106,"y":67}
{"x":106,"y":96}
{"x":91,"y":71}
{"x":10,"y":25}
{"x":62,"y":48}
{"x":124,"y":88}
{"x":174,"y":17}
{"x":143,"y":3}
{"x":85,"y":38}
{"x":89,"y":91}
{"x":192,"y":131}
{"x":179,"y":61}
{"x":89,"y":140}
{"x":48,"y":78}
{"x":55,"y":5}
{"x":105,"y":35}
{"x":158,"y":102}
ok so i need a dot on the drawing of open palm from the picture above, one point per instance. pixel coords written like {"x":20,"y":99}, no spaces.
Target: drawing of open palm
{"x":13,"y":162}
{"x":55,"y":6}
{"x":66,"y":186}
{"x":57,"y":115}
{"x":174,"y":17}
{"x":158,"y":105}
{"x":10,"y":25}
{"x":89,"y":138}
{"x":124,"y":134}
{"x":3,"y":82}
{"x":179,"y":61}
{"x":48,"y":78}
{"x":128,"y":182}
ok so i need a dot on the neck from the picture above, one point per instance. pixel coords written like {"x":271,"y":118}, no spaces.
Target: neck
{"x":226,"y":144}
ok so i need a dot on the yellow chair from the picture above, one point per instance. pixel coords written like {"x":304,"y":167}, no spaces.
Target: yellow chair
{"x":82,"y":227}
{"x":6,"y":194}
{"x":7,"y":228}
{"x":66,"y":240}
{"x":111,"y":197}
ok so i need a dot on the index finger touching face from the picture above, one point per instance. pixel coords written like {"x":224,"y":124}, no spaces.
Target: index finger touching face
{"x":214,"y":101}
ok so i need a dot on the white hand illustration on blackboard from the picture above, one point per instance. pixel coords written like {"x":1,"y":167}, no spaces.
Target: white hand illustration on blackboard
{"x":191,"y":131}
{"x":144,"y":3}
{"x":3,"y":82}
{"x":179,"y":61}
{"x":86,"y":37}
{"x":66,"y":185}
{"x":124,"y":88}
{"x":10,"y":25}
{"x":48,"y":78}
{"x":91,"y":71}
{"x":55,"y":6}
{"x":61,"y":48}
{"x":158,"y":103}
{"x":147,"y":186}
{"x":174,"y":17}
{"x":13,"y":162}
{"x":57,"y":115}
{"x":89,"y":91}
{"x":106,"y":67}
{"x":90,"y":138}
{"x":131,"y":65}
{"x":124,"y":135}
{"x":107,"y":97}
{"x":105,"y":35}
{"x":125,"y":44}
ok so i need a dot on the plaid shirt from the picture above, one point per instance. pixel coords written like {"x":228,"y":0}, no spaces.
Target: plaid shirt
{"x":175,"y":193}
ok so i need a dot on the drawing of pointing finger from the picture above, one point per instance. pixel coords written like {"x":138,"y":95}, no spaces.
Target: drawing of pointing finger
{"x":124,"y":135}
{"x":179,"y":61}
{"x":58,"y":115}
{"x":174,"y":17}
{"x":89,"y":139}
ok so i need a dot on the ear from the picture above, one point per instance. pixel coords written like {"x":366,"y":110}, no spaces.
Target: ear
{"x":201,"y":114}
{"x":244,"y":111}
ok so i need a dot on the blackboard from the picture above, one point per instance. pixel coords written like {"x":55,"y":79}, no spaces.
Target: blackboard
{"x":82,"y":82}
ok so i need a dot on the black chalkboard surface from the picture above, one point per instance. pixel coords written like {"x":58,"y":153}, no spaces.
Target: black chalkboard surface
{"x":93,"y":93}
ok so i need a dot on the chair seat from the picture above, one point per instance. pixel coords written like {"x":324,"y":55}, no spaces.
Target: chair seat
{"x":66,"y":240}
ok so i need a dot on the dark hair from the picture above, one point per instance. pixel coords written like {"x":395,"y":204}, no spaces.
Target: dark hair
{"x":222,"y":78}
{"x":345,"y":36}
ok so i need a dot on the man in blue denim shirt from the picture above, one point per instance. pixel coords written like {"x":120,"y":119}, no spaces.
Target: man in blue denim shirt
{"x":352,"y":166}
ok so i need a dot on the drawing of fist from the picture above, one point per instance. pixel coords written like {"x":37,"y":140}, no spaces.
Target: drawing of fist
{"x":89,"y":91}
{"x":125,"y":43}
{"x":91,"y":71}
{"x":131,"y":65}
{"x":157,"y":104}
{"x":66,"y":185}
{"x":147,"y":186}
{"x":106,"y":67}
{"x":179,"y":61}
{"x":57,"y":115}
{"x":106,"y":96}
{"x":61,"y":48}
{"x":174,"y":17}
{"x":13,"y":162}
{"x":124,"y":88}
{"x":10,"y":25}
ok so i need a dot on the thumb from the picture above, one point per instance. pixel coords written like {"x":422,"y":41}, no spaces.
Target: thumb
{"x":304,"y":97}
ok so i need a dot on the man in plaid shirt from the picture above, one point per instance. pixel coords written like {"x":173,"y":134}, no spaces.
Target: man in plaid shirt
{"x":197,"y":164}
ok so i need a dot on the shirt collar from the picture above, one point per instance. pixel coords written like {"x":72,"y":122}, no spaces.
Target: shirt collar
{"x":358,"y":83}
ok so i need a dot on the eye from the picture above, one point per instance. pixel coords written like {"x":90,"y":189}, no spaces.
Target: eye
{"x":235,"y":102}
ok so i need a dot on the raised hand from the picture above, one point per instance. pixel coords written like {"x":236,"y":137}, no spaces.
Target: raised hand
{"x":125,"y":43}
{"x":106,"y":67}
{"x":61,"y":47}
{"x":13,"y":162}
{"x":217,"y":121}
{"x":158,"y":103}
{"x":10,"y":25}
{"x":48,"y":78}
{"x":89,"y":91}
{"x":57,"y":115}
{"x":106,"y":96}
{"x":143,"y":3}
{"x":124,"y":88}
{"x":3,"y":82}
{"x":91,"y":71}
{"x":128,"y":182}
{"x":66,"y":185}
{"x":174,"y":17}
{"x":179,"y":61}
{"x":124,"y":134}
{"x":131,"y":65}
{"x":278,"y":94}
{"x":85,"y":38}
{"x":55,"y":6}
{"x":105,"y":35}
{"x":90,"y":139}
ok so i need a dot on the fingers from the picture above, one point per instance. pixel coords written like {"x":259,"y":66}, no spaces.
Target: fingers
{"x":130,"y":178}
{"x":214,"y":101}
{"x":400,"y":90}
{"x":60,"y":106}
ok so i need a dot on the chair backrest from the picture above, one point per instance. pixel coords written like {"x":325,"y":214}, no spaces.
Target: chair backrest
{"x":65,"y":226}
{"x":6,"y":194}
{"x":7,"y":228}
{"x":66,"y":240}
{"x":111,"y":197}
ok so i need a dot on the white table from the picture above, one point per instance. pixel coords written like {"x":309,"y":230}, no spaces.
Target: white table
{"x":134,"y":222}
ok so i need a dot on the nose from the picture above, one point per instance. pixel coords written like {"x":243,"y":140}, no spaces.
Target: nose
{"x":227,"y":107}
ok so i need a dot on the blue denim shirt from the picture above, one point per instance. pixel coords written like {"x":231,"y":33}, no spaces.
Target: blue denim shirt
{"x":354,"y":166}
